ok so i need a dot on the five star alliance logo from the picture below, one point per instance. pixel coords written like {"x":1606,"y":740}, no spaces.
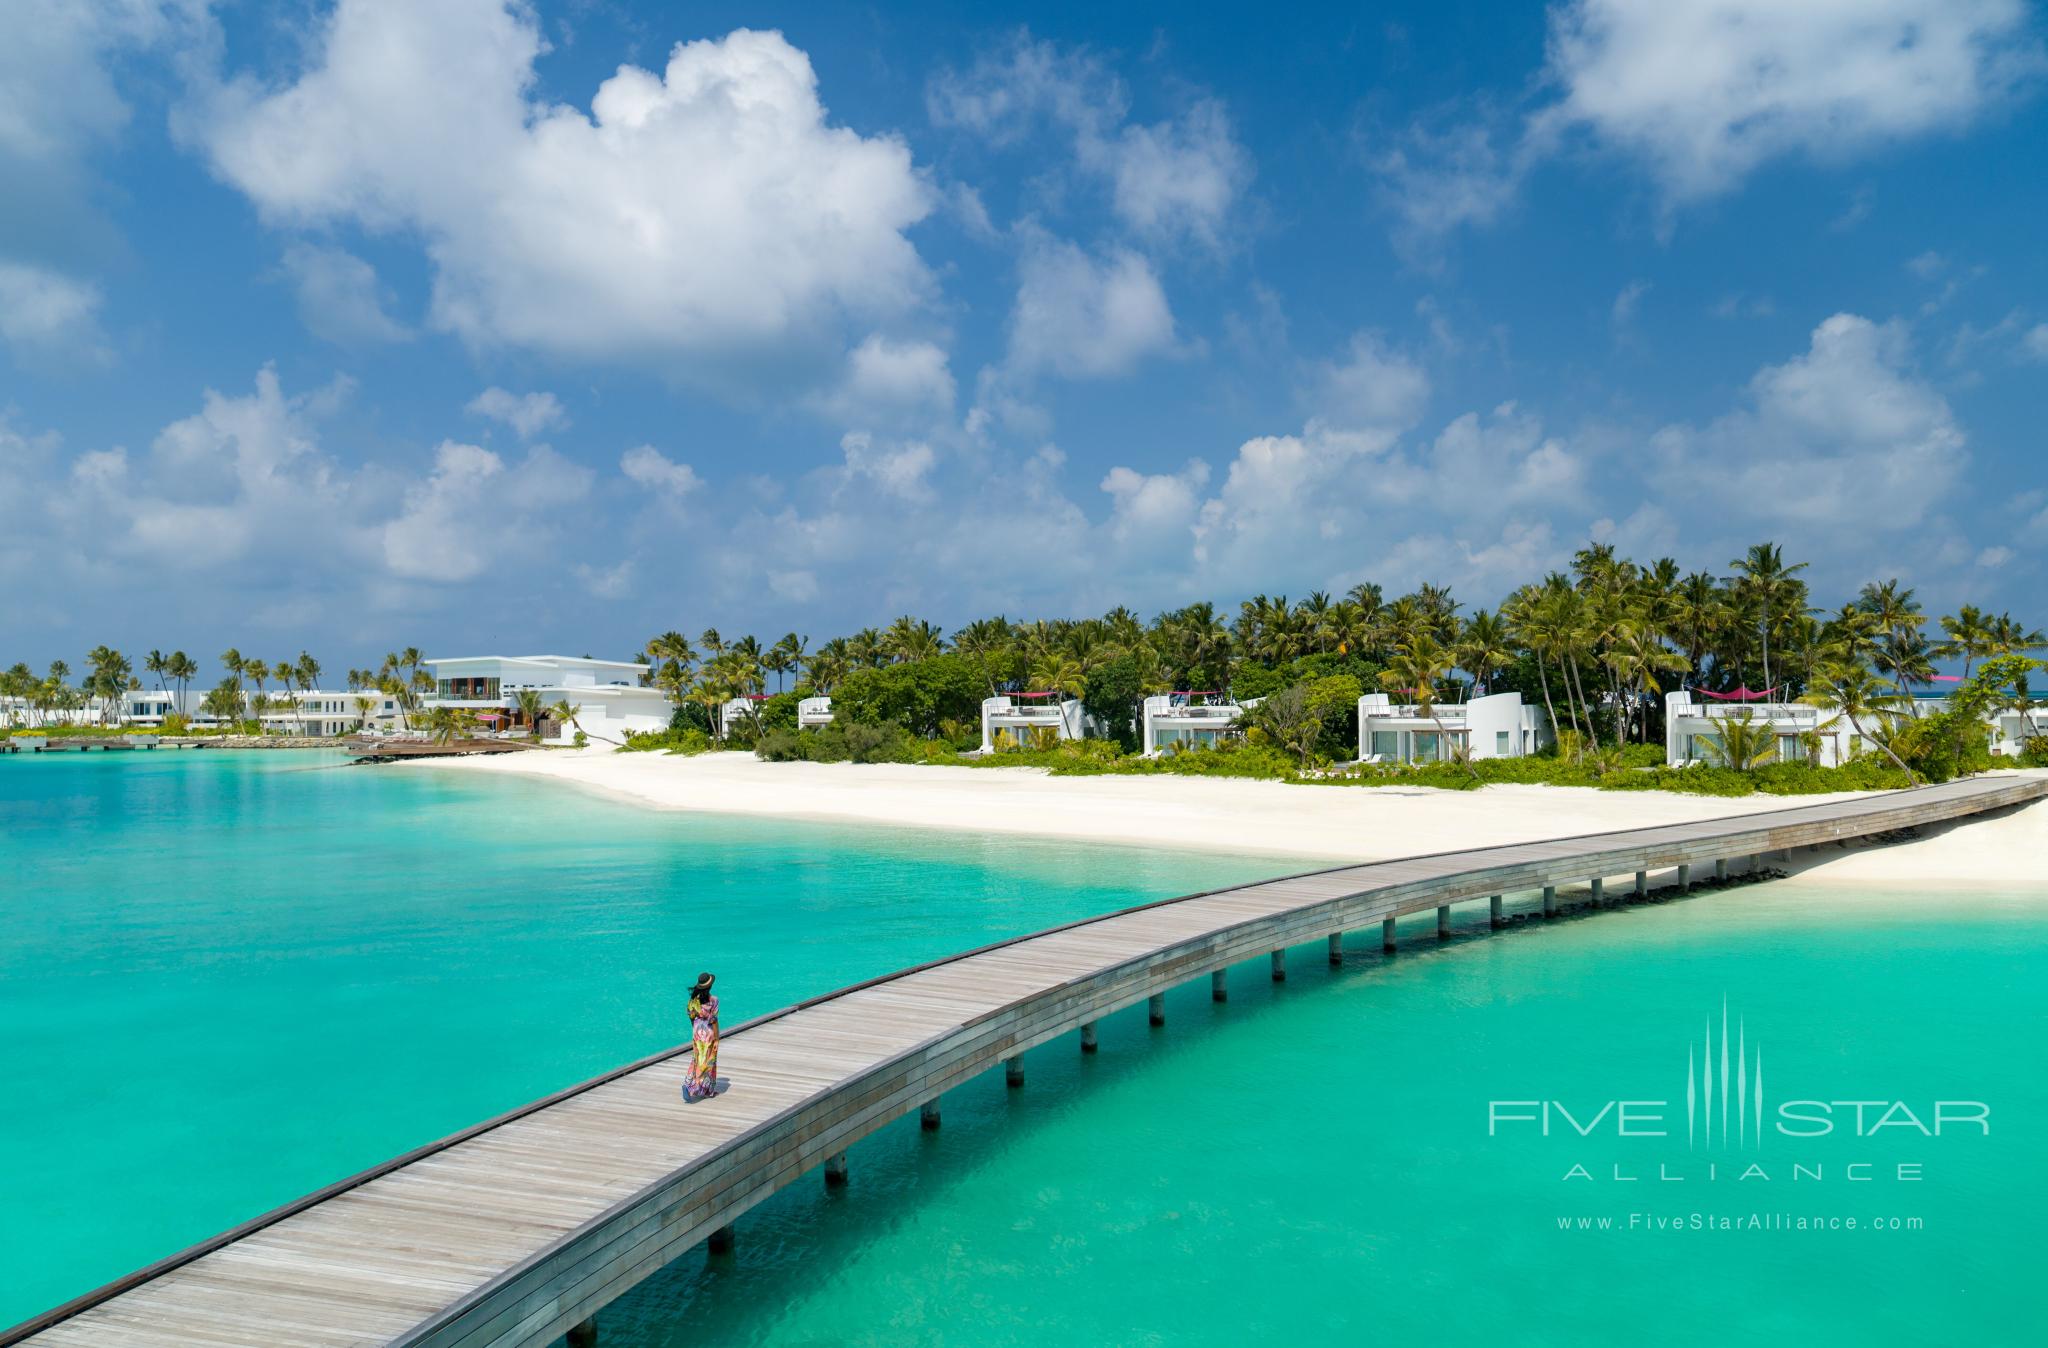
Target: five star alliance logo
{"x":1740,"y":1095}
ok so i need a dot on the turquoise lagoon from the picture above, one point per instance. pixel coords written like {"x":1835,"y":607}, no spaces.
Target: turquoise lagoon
{"x":350,"y":961}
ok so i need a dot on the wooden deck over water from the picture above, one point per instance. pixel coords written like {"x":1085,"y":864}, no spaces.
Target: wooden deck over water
{"x":517,"y":1230}
{"x":392,"y":750}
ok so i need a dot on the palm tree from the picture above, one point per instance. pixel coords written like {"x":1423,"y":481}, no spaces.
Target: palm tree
{"x":1744,"y":743}
{"x":445,"y":723}
{"x":1853,"y":690}
{"x":1637,"y":655}
{"x":156,"y":662}
{"x":829,"y":665}
{"x":224,"y":704}
{"x":787,"y":656}
{"x":747,"y":650}
{"x":911,"y":638}
{"x":2008,"y":637}
{"x":257,"y":671}
{"x":1417,"y":667}
{"x":304,"y":672}
{"x":182,"y":669}
{"x":1314,"y":616}
{"x":107,"y":677}
{"x":1969,"y":635}
{"x":531,"y":706}
{"x":1768,"y":584}
{"x":1904,"y":651}
{"x":1484,"y":645}
{"x":864,"y":648}
{"x":1061,"y":674}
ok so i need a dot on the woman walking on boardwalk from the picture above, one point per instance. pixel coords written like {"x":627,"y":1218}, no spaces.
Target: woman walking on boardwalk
{"x":700,"y":1079}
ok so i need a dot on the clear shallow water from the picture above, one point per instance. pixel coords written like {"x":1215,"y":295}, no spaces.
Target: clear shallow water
{"x":1310,"y":1162}
{"x":226,"y":979}
{"x":347,"y":962}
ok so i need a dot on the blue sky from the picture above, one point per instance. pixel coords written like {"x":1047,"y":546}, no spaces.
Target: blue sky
{"x":481,"y":327}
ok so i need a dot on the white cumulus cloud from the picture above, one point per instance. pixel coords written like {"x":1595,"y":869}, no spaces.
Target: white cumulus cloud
{"x":44,"y":313}
{"x":1701,"y":93}
{"x":657,"y":472}
{"x":694,"y":217}
{"x":1180,"y":177}
{"x":1843,"y":441}
{"x":1704,"y":91}
{"x":528,"y":414}
{"x":1086,"y":316}
{"x":1371,"y":385}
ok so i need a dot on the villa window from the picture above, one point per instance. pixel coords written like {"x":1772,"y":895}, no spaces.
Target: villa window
{"x":1501,"y":744}
{"x":1386,"y":744}
{"x":1424,"y":747}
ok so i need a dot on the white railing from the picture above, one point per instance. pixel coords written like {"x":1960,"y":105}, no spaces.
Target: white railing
{"x":1761,"y":711}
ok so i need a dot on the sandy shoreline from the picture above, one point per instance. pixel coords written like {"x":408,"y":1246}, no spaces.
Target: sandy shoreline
{"x":1241,"y":817}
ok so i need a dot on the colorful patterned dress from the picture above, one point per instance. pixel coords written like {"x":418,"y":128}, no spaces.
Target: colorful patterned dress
{"x":701,"y":1077}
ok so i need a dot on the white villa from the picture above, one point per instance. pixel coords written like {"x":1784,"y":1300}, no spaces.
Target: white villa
{"x":1692,"y":730}
{"x":315,"y":713}
{"x":2012,"y":728}
{"x":1496,"y":725}
{"x":1023,"y":715}
{"x":325,"y":715}
{"x":609,"y":698}
{"x":740,"y":709}
{"x":813,"y":712}
{"x":1185,"y":720}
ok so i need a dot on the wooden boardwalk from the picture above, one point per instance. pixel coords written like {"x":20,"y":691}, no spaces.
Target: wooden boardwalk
{"x":521,"y":1229}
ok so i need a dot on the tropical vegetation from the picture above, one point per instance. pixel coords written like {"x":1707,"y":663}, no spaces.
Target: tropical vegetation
{"x":1598,"y":646}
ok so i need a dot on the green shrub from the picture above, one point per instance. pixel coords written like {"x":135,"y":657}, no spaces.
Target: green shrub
{"x":841,"y":742}
{"x":779,"y":711}
{"x":1700,"y":780}
{"x":780,"y":746}
{"x":688,"y":740}
{"x":2034,"y":753}
{"x":1944,"y":745}
{"x":918,"y":695}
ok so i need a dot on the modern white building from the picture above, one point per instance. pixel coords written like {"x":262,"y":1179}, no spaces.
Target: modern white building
{"x":325,"y":714}
{"x":315,"y":713}
{"x":1026,"y":715}
{"x":1189,"y":720}
{"x":1496,"y":725}
{"x":2012,"y":728}
{"x":740,"y":711}
{"x":608,"y":695}
{"x":1802,"y":733}
{"x":813,"y":713}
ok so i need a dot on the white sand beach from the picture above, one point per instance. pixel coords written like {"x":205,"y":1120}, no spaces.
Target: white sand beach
{"x":1244,"y":817}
